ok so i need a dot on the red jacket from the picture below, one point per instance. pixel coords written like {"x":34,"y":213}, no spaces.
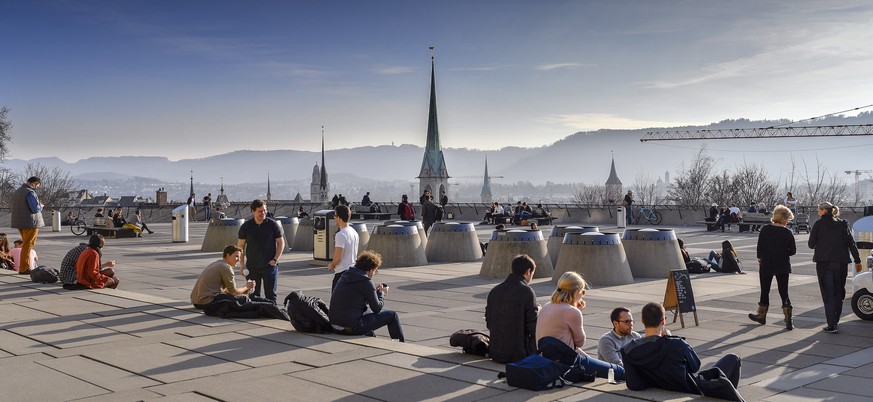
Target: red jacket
{"x":88,"y":270}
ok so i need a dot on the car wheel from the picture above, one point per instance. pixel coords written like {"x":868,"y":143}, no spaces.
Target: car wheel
{"x":862,"y":304}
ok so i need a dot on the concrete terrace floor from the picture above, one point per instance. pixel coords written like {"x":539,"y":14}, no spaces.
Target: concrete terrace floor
{"x":145,"y":342}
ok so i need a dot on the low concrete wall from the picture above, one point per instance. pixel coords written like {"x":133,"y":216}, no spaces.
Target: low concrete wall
{"x":471,"y":212}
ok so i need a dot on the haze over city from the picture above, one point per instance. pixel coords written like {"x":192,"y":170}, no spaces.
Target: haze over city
{"x":198,"y":78}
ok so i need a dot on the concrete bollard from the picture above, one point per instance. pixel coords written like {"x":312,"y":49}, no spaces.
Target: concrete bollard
{"x":400,"y":246}
{"x":453,"y":242}
{"x":303,"y":240}
{"x":505,"y":245}
{"x":418,"y":226}
{"x":557,"y":238}
{"x":289,"y":227}
{"x":598,"y":257}
{"x":363,"y":235}
{"x":652,"y":253}
{"x":220,"y":233}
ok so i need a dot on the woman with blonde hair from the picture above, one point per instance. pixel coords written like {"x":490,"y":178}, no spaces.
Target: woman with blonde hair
{"x":832,"y":241}
{"x":775,"y":248}
{"x":561,"y":319}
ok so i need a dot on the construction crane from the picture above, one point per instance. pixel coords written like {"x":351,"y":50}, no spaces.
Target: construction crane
{"x":857,"y":184}
{"x":756,"y":133}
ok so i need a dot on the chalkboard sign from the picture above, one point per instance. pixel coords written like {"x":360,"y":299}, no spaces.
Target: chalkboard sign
{"x":679,"y":296}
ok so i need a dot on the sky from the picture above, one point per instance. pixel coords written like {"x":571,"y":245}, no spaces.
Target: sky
{"x":190,"y":79}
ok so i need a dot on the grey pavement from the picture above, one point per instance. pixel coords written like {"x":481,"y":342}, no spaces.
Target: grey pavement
{"x":145,"y":342}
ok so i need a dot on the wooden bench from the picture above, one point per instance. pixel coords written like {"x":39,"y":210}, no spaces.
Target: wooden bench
{"x":371,"y":215}
{"x":750,"y":219}
{"x":110,"y":233}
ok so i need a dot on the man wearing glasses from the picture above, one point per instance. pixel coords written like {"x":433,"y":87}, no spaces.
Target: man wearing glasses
{"x":609,"y":347}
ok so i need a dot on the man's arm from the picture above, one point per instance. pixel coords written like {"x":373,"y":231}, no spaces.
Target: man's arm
{"x":280,"y":247}
{"x":607,"y":350}
{"x":691,"y":360}
{"x":33,"y":203}
{"x":530,"y":323}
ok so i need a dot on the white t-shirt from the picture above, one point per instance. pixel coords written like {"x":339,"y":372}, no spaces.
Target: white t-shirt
{"x":347,"y":239}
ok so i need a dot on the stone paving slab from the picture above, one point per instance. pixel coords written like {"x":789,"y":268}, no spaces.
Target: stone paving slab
{"x":99,"y":374}
{"x":164,"y":363}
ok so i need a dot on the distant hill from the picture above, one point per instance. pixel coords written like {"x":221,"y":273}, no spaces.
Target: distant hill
{"x":580,"y":157}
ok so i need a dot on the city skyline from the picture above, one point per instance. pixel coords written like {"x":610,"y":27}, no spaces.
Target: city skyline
{"x":197,"y":78}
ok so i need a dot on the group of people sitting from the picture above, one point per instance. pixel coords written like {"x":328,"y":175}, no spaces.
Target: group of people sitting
{"x":496,"y":213}
{"x":11,"y":258}
{"x":83,"y":267}
{"x":519,"y":327}
{"x":136,"y":223}
{"x":725,"y":261}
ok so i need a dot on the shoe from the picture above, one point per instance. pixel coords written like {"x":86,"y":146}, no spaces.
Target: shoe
{"x":151,"y":231}
{"x":831,"y":329}
{"x":25,"y":272}
{"x":789,"y":322}
{"x":761,"y":316}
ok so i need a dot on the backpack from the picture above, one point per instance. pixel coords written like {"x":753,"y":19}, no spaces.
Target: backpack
{"x":535,"y":373}
{"x":472,"y":341}
{"x":307,"y":314}
{"x":408,"y":211}
{"x":697,"y":266}
{"x":43,"y":274}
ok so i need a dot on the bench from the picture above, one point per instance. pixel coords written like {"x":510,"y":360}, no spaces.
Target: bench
{"x":110,"y":233}
{"x":371,"y":215}
{"x":753,"y":218}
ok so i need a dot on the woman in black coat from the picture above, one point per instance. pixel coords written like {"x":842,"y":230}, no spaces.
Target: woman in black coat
{"x":775,"y":248}
{"x":832,"y":241}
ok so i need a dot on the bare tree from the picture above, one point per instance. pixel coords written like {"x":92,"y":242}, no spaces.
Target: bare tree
{"x":721,"y":189}
{"x":591,"y":194}
{"x":645,"y":189}
{"x":821,"y":185}
{"x":752,"y":184}
{"x":691,"y":185}
{"x":56,"y":183}
{"x":5,"y":133}
{"x":8,"y":184}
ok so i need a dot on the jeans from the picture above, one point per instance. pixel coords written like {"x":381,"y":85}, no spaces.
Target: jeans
{"x":601,"y":368}
{"x":781,"y":284}
{"x":629,"y":212}
{"x":208,"y":209}
{"x":832,"y":284}
{"x":713,"y":260}
{"x":371,"y":322}
{"x":28,"y":236}
{"x":269,"y":276}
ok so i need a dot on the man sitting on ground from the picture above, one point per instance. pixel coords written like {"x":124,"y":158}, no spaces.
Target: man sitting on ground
{"x":67,"y":274}
{"x":511,"y":314}
{"x":668,"y":362}
{"x":355,"y":292}
{"x":217,"y":281}
{"x":622,"y":333}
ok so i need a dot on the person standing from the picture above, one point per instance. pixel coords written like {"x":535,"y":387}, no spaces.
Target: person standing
{"x":511,"y":314}
{"x":207,"y":206}
{"x":832,"y":241}
{"x":27,"y":218}
{"x":790,"y":202}
{"x":428,"y":213}
{"x":628,"y":204}
{"x":775,"y":248}
{"x":405,"y":209}
{"x":345,"y":245}
{"x":444,"y":199}
{"x":262,"y":241}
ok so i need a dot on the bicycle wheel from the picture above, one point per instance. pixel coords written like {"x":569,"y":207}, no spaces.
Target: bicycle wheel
{"x":656,"y":218}
{"x":78,"y":228}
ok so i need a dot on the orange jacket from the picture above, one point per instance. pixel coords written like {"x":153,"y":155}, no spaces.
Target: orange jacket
{"x":88,"y":270}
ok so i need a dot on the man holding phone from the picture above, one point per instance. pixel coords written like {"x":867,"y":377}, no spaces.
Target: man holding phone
{"x":354,"y":292}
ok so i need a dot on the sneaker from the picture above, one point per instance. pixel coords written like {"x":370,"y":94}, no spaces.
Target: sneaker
{"x":831,"y":329}
{"x":25,"y":272}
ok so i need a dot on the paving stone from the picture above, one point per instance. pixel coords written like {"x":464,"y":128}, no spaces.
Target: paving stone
{"x":24,"y":381}
{"x":138,"y":324}
{"x":802,"y":377}
{"x":68,"y":334}
{"x":15,"y":312}
{"x":164,"y":363}
{"x":865,"y":371}
{"x":808,"y":394}
{"x":127,"y":395}
{"x":66,"y":306}
{"x":449,"y":370}
{"x":248,"y":350}
{"x":99,"y":374}
{"x":844,"y":384}
{"x":394,"y":384}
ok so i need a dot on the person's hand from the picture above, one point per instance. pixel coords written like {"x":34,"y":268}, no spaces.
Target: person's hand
{"x":250,"y":284}
{"x":382,"y":289}
{"x":666,"y":332}
{"x":858,"y":267}
{"x":109,"y":264}
{"x":331,"y":267}
{"x":581,"y":304}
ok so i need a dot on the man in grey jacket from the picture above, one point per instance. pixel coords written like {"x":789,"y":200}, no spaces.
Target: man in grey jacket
{"x":27,"y":218}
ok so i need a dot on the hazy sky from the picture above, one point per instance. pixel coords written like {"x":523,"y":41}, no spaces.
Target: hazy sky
{"x":187,"y":79}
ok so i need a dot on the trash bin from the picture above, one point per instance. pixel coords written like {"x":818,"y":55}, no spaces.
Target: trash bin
{"x":180,"y":224}
{"x":621,"y":217}
{"x":323,"y":228}
{"x":56,"y":221}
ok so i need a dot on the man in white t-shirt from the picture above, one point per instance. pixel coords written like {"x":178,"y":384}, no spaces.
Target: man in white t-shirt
{"x":346,"y":243}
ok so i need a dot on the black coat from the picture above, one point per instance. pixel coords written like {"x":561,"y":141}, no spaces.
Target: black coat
{"x":511,"y":317}
{"x":775,"y":248}
{"x":832,"y":241}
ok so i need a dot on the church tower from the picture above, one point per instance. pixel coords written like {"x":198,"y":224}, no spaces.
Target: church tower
{"x":269,"y":194}
{"x":486,"y":186}
{"x":319,"y":189}
{"x":433,"y":175}
{"x":613,"y":185}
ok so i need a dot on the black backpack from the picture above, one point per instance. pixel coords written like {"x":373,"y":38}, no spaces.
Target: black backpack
{"x":43,"y":274}
{"x":697,"y":266}
{"x":471,"y":341}
{"x":307,"y":314}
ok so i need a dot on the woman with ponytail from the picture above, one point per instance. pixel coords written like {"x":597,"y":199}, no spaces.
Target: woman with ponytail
{"x":832,"y":241}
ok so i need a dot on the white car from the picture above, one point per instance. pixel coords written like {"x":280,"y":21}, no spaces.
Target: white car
{"x":862,"y":292}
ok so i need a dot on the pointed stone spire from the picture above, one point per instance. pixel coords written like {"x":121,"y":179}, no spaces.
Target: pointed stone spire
{"x":486,"y":185}
{"x":269,"y":195}
{"x":192,"y":184}
{"x":433,"y":176}
{"x":613,"y":177}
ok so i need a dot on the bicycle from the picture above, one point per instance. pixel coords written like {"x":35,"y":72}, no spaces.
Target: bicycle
{"x":651,"y":216}
{"x":78,"y":226}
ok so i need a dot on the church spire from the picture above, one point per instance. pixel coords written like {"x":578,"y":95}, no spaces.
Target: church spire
{"x":323,"y":184}
{"x":269,"y":195}
{"x":613,"y":177}
{"x":486,"y":185}
{"x":433,"y":175}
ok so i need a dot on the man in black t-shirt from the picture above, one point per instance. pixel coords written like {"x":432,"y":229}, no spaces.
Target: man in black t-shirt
{"x":262,"y":241}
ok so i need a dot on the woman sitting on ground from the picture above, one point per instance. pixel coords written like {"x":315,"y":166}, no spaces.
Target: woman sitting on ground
{"x":90,"y":273}
{"x":561,"y":318}
{"x":730,"y":263}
